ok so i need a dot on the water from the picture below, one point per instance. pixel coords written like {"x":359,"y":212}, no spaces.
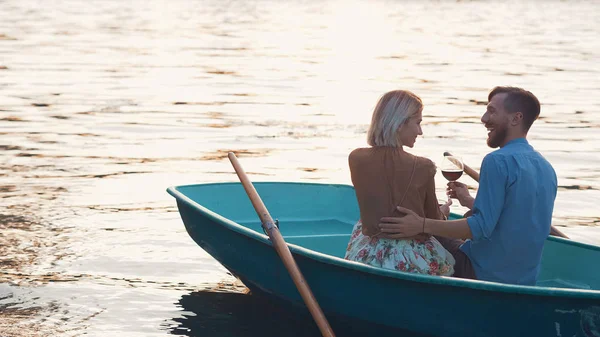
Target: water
{"x":104,"y":104}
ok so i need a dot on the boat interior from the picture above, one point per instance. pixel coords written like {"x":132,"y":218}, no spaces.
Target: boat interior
{"x":320,"y":217}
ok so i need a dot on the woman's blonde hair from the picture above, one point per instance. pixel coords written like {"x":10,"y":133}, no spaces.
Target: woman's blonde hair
{"x":392,"y":110}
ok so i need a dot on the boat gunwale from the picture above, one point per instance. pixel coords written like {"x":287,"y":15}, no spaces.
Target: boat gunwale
{"x":357,"y":266}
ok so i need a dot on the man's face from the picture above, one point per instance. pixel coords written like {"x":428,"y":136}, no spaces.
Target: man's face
{"x":497,"y":120}
{"x":409,"y":131}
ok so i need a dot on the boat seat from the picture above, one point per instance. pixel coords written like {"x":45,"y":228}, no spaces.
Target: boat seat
{"x":330,"y":244}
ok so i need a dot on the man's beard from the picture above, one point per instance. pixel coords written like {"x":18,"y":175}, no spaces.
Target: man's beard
{"x":497,"y":138}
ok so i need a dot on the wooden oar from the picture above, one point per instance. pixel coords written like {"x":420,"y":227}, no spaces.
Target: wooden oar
{"x":473,"y":174}
{"x":282,"y":249}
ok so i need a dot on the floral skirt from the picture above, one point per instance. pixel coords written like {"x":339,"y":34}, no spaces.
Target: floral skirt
{"x":410,"y":255}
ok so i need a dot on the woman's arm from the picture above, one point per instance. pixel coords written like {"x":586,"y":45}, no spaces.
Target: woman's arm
{"x":431,"y":207}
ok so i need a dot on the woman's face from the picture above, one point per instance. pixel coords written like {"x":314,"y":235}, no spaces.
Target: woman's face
{"x":408,"y":132}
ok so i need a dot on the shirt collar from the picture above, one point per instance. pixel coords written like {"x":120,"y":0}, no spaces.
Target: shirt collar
{"x":517,"y":141}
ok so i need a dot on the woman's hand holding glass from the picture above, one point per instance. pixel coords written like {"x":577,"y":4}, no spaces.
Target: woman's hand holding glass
{"x":445,"y":208}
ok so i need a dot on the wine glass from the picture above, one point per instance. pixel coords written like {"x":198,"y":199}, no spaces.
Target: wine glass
{"x":452,"y":168}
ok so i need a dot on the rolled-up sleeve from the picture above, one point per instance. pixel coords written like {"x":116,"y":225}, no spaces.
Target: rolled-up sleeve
{"x":489,"y":201}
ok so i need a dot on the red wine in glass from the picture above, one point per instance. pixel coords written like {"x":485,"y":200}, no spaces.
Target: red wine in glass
{"x":452,"y":168}
{"x":452,"y":175}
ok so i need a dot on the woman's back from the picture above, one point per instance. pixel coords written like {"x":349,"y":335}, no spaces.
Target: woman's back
{"x":385,"y":177}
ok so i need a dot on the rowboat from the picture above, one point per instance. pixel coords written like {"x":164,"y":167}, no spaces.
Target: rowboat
{"x":316,"y":221}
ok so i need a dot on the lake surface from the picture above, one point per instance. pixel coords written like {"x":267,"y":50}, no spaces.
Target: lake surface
{"x":104,"y":104}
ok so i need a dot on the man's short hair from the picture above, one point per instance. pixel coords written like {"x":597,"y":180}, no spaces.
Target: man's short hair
{"x":519,"y":100}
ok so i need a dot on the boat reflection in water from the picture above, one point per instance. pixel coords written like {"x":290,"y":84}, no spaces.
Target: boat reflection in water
{"x":236,"y":314}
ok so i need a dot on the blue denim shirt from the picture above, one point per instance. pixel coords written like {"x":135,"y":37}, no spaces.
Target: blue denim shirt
{"x":512,"y":214}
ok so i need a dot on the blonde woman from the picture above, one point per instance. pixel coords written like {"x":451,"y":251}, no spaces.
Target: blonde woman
{"x":384,"y":177}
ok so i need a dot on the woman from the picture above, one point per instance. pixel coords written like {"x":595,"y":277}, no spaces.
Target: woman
{"x":385,"y":176}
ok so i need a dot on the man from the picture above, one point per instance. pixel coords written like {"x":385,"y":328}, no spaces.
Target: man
{"x":512,"y":211}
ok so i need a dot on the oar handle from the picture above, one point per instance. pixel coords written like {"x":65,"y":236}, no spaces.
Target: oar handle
{"x":282,"y":249}
{"x":469,"y":171}
{"x":475,"y":175}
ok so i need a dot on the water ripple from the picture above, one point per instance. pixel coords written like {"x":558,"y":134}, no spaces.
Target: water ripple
{"x":104,"y":106}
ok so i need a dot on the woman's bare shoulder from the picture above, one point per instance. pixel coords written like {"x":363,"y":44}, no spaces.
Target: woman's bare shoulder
{"x":358,"y":154}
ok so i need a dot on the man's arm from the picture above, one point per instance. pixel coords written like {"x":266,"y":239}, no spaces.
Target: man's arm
{"x":411,"y":224}
{"x":454,"y":229}
{"x":486,"y":211}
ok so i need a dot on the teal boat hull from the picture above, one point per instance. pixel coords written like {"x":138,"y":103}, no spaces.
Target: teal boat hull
{"x":316,"y":221}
